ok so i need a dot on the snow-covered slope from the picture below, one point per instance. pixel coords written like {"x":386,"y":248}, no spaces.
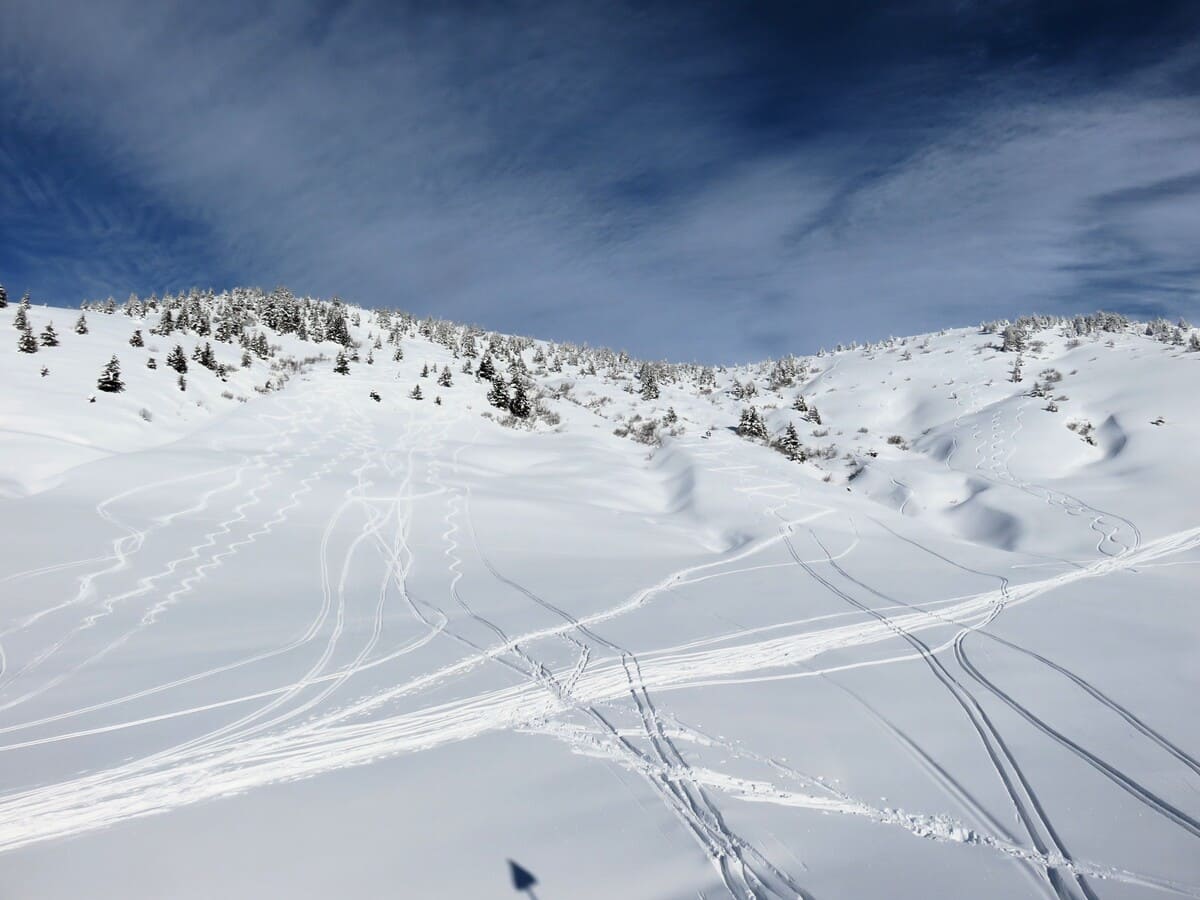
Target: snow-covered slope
{"x":299,"y":641}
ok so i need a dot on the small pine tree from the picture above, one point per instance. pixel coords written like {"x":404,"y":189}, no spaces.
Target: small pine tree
{"x":81,"y":324}
{"x":649,"y":389}
{"x":399,"y":354}
{"x":207,"y":357}
{"x":182,"y":382}
{"x":3,"y":297}
{"x":371,"y":358}
{"x":438,"y":400}
{"x":177,"y":361}
{"x":789,"y":444}
{"x":247,"y":360}
{"x":152,"y":363}
{"x":1013,"y":339}
{"x":166,"y":324}
{"x":27,"y":343}
{"x":110,"y":379}
{"x":341,"y":365}
{"x":49,"y":336}
{"x":799,"y":405}
{"x":21,"y":319}
{"x":751,"y":425}
{"x":498,"y":393}
{"x":425,"y":370}
{"x":416,"y":393}
{"x":135,"y":339}
{"x":446,"y":379}
{"x":520,"y":406}
{"x":814,"y":415}
{"x":487,"y":370}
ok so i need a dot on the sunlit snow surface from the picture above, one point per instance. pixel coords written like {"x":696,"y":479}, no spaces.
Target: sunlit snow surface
{"x":312,"y":645}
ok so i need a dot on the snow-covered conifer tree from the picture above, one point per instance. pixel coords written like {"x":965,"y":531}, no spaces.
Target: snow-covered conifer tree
{"x":110,"y":379}
{"x":789,"y":444}
{"x":520,"y":406}
{"x":751,"y":424}
{"x":206,"y":357}
{"x":177,"y":361}
{"x":166,"y":324}
{"x":498,"y":394}
{"x":27,"y":343}
{"x":21,"y":319}
{"x":49,"y":336}
{"x":649,"y":389}
{"x":1013,"y":339}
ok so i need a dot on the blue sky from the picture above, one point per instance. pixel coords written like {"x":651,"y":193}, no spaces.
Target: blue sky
{"x":716,"y":181}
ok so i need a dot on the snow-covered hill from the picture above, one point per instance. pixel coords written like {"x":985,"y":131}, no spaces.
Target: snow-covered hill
{"x":281,"y":630}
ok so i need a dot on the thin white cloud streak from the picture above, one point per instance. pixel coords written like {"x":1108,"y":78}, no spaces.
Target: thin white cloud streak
{"x":432,"y":167}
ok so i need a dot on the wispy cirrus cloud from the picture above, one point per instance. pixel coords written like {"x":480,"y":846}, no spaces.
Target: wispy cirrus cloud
{"x":673,"y":180}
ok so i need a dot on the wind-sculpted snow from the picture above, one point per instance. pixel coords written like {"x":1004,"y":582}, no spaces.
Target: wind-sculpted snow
{"x":957,"y":663}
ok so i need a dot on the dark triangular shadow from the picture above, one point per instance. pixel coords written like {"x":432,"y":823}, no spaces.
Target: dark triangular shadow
{"x":522,"y":878}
